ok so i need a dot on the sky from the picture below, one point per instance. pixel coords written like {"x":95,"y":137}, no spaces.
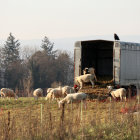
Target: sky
{"x":56,"y":19}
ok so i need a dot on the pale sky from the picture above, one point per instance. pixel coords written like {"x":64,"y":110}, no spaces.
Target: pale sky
{"x":33,"y":19}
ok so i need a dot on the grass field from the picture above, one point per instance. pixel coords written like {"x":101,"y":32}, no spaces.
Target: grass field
{"x":27,"y":119}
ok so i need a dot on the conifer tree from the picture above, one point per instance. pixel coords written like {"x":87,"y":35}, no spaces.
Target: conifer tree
{"x":47,"y":46}
{"x":11,"y":61}
{"x":11,"y":51}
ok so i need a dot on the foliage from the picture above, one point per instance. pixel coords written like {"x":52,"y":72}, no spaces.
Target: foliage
{"x":37,"y":68}
{"x":11,"y":51}
{"x":11,"y":63}
{"x":47,"y":46}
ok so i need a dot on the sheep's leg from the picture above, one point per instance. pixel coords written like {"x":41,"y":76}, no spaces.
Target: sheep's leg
{"x":92,"y":83}
{"x":125,"y":98}
{"x":121,"y":98}
{"x":113,"y":97}
{"x":81,"y":85}
{"x":85,"y":104}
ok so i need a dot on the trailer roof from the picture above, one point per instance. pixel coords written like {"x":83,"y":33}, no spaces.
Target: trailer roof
{"x":78,"y":43}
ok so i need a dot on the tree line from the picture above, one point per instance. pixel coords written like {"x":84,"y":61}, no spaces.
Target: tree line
{"x":29,"y":70}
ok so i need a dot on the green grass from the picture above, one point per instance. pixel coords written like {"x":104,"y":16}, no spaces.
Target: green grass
{"x":21,"y":119}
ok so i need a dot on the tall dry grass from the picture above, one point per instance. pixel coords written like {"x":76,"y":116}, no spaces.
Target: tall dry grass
{"x":24,"y":120}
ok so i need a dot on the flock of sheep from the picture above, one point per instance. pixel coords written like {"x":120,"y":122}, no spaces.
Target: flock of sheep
{"x":67,"y":93}
{"x":70,"y":94}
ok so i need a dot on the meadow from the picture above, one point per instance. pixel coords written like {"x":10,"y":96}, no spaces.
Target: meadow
{"x":28,"y":119}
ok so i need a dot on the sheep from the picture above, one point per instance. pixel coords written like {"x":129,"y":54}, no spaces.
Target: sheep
{"x":49,"y":89}
{"x":49,"y":96}
{"x":85,"y":79}
{"x":90,"y":70}
{"x":115,"y":93}
{"x":6,"y":92}
{"x":56,"y":93}
{"x":67,"y":89}
{"x":73,"y":98}
{"x":85,"y":71}
{"x":38,"y":93}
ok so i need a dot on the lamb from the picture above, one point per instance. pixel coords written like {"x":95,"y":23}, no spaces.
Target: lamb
{"x":73,"y":98}
{"x":38,"y":93}
{"x":115,"y":93}
{"x":6,"y":92}
{"x":85,"y":79}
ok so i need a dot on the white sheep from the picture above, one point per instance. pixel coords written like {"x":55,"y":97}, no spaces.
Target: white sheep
{"x":85,"y":79}
{"x":38,"y":93}
{"x":49,"y":96}
{"x":67,"y":90}
{"x":49,"y":89}
{"x":117,"y":93}
{"x":85,"y":71}
{"x":6,"y":92}
{"x":56,"y":93}
{"x":73,"y":98}
{"x":91,"y":70}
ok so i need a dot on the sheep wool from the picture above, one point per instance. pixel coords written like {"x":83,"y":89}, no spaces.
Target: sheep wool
{"x":73,"y":98}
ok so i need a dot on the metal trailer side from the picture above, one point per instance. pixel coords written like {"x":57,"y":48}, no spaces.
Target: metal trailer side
{"x":126,"y":63}
{"x":77,"y":59}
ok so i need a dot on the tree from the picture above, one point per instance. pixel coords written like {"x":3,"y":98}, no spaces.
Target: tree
{"x":11,"y":51}
{"x":65,"y":68}
{"x":47,"y":46}
{"x":11,"y":62}
{"x":42,"y":69}
{"x":1,"y":70}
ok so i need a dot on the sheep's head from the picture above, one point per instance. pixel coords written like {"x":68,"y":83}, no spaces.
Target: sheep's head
{"x":110,"y":87}
{"x":85,"y":71}
{"x":60,"y":103}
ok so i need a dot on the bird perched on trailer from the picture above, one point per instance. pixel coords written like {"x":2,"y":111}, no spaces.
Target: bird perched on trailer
{"x":116,"y":37}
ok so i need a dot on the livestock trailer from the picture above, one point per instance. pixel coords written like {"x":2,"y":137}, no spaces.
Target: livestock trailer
{"x":116,"y":59}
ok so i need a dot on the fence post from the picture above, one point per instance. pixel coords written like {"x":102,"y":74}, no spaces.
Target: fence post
{"x":81,"y":109}
{"x":41,"y":113}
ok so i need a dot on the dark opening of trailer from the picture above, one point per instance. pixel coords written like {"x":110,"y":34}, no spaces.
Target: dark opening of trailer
{"x":98,"y":54}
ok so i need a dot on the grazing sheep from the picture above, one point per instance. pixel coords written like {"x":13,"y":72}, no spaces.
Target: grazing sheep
{"x":49,"y":96}
{"x":56,"y":93}
{"x":73,"y":98}
{"x":6,"y":92}
{"x":85,"y":79}
{"x":117,"y":93}
{"x":38,"y":93}
{"x":49,"y":89}
{"x":66,"y":90}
